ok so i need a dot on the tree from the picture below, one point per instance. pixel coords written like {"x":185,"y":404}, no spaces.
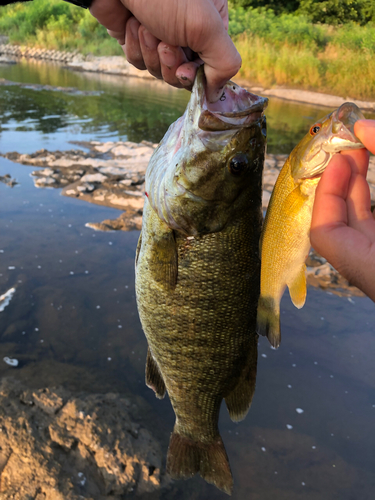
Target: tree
{"x":277,"y":6}
{"x":338,"y":11}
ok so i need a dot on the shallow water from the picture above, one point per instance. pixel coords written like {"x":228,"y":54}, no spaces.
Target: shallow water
{"x":73,"y":318}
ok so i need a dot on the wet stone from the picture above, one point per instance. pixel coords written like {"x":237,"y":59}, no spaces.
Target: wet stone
{"x":7,"y":179}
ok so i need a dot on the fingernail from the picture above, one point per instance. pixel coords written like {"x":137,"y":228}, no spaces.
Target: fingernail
{"x":150,"y":41}
{"x":184,"y":80}
{"x":167,"y":57}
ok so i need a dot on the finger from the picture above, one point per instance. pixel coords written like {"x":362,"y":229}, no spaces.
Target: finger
{"x":149,"y":48}
{"x":365,"y":131}
{"x":344,"y":247}
{"x":359,"y":206}
{"x":330,"y":198}
{"x":222,"y":8}
{"x":132,"y":47}
{"x":187,"y":71}
{"x":216,"y":49}
{"x":220,"y":66}
{"x":113,"y":15}
{"x":358,"y":159}
{"x":170,"y":59}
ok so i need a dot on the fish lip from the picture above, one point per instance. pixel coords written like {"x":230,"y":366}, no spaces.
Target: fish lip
{"x":257,"y":104}
{"x":345,"y":117}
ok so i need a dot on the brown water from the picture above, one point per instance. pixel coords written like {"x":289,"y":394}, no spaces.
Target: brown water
{"x":73,"y":318}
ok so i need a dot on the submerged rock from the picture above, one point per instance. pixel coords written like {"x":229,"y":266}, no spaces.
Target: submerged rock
{"x":57,"y":445}
{"x":7,"y":179}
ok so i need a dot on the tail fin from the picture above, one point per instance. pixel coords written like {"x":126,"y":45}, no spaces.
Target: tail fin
{"x":268,"y":320}
{"x":187,"y":457}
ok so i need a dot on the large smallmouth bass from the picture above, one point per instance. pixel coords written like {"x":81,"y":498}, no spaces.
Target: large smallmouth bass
{"x":285,"y":240}
{"x":197,"y":272}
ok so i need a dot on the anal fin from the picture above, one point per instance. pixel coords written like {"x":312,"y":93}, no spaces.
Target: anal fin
{"x":268,"y":320}
{"x":239,"y":400}
{"x":297,"y":288}
{"x":154,"y":379}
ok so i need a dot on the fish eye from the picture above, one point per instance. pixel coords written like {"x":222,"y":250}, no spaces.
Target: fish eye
{"x":315,"y":129}
{"x":238,"y":164}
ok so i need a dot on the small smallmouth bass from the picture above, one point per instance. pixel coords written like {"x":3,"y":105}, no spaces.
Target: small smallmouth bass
{"x":285,"y":240}
{"x":198,"y":272}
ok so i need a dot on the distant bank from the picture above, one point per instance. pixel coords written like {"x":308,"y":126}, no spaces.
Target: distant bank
{"x":118,"y":65}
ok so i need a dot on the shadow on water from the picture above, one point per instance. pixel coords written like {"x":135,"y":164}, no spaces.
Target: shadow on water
{"x":73,"y":319}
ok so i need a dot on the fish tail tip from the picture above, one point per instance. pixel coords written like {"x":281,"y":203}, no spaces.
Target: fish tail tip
{"x":268,"y":321}
{"x":187,"y":457}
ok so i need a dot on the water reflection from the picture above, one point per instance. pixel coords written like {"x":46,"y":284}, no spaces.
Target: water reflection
{"x":126,"y":108}
{"x":54,"y":326}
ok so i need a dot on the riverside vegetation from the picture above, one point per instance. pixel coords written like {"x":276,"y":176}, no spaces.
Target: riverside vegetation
{"x":279,"y":45}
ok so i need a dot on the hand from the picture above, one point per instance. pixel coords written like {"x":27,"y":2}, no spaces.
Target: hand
{"x":163,"y":35}
{"x":343,"y":227}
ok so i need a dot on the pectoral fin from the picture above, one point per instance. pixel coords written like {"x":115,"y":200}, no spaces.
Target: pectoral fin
{"x":297,"y":288}
{"x":164,"y":251}
{"x":138,"y":249}
{"x":239,"y":400}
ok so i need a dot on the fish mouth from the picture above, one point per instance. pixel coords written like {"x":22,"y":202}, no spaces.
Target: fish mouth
{"x":342,"y":128}
{"x":336,"y":135}
{"x":236,"y":108}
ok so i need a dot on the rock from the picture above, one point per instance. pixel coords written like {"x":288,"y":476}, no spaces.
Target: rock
{"x":45,"y":182}
{"x":57,"y":445}
{"x":86,"y":188}
{"x":116,"y":65}
{"x":99,"y":178}
{"x":128,"y":221}
{"x":7,"y":60}
{"x":320,"y":274}
{"x":7,"y":179}
{"x":265,"y":198}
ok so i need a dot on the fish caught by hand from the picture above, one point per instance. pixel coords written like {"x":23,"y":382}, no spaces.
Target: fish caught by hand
{"x":285,"y":240}
{"x":198,"y":270}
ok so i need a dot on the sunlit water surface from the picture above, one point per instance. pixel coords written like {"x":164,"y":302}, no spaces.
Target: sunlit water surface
{"x":73,"y":319}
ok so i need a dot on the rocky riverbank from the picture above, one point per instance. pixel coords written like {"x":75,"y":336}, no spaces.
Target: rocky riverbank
{"x":56,"y":445}
{"x":113,"y":174}
{"x":117,"y":65}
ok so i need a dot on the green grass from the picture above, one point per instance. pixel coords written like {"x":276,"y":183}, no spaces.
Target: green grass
{"x":286,"y":50}
{"x":58,"y":25}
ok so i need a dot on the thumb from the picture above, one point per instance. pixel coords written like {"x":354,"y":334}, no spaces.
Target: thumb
{"x":365,"y":131}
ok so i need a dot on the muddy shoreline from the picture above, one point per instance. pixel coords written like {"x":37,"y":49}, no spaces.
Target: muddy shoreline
{"x":117,"y":65}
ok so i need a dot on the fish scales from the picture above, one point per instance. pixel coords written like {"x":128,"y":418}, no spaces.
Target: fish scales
{"x":198,"y":273}
{"x":291,"y":232}
{"x":201,"y":334}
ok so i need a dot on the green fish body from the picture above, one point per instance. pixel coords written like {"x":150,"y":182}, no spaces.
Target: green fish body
{"x":197,"y":274}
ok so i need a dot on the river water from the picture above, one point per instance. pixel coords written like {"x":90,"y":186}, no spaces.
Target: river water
{"x":73,"y":320}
